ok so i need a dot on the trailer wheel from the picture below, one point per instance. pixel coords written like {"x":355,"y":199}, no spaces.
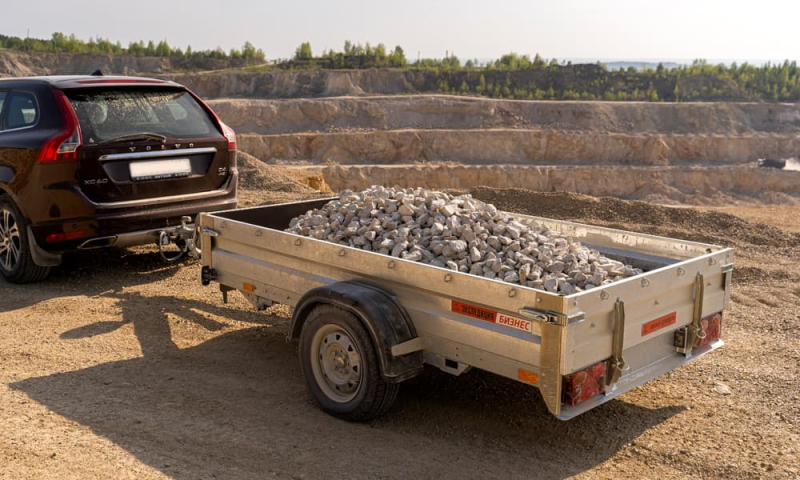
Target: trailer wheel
{"x":340,"y":366}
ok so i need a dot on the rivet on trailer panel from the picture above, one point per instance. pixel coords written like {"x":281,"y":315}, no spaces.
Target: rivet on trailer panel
{"x":448,"y":277}
{"x":342,"y":252}
{"x":298,"y":242}
{"x":391,"y":264}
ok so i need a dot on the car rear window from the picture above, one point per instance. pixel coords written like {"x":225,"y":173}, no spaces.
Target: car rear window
{"x":105,"y":113}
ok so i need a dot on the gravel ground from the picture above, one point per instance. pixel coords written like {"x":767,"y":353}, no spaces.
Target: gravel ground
{"x":119,"y":366}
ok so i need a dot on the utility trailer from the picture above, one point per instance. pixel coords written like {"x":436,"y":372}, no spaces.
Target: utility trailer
{"x":367,"y":321}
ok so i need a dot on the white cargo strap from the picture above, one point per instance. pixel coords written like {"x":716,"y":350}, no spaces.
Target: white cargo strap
{"x":617,"y":362}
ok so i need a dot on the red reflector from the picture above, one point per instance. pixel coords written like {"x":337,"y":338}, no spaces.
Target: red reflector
{"x":712,"y":327}
{"x":584,"y":384}
{"x":60,"y":237}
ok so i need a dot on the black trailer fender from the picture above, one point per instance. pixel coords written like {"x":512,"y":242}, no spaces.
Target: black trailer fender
{"x":387,"y":323}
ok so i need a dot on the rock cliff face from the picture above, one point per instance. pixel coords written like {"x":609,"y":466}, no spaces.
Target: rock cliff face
{"x":434,"y":128}
{"x":306,"y":83}
{"x":515,"y":147}
{"x":448,"y":112}
{"x":686,"y":185}
{"x":22,"y":64}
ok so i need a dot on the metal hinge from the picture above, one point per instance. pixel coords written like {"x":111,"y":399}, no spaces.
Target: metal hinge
{"x":727,"y":271}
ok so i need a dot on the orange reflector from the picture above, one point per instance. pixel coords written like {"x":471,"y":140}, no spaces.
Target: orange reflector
{"x":248,"y":287}
{"x":527,"y":376}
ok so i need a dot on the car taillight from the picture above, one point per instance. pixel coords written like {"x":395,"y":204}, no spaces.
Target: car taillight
{"x":63,"y":146}
{"x":712,"y":328}
{"x":584,"y":384}
{"x":230,"y":135}
{"x":226,"y":130}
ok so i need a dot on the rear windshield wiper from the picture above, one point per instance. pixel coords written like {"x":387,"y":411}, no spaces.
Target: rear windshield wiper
{"x":135,"y":137}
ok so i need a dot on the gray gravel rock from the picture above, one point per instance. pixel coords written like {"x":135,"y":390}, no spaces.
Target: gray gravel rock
{"x":461,"y":234}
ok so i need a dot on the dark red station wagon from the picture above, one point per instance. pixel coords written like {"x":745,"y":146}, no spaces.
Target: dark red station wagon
{"x":98,"y":161}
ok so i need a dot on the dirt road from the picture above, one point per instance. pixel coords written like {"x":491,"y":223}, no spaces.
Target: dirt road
{"x":120,"y":367}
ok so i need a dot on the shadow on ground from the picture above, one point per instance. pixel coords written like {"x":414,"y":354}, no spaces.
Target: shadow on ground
{"x":91,"y":273}
{"x":236,"y":407}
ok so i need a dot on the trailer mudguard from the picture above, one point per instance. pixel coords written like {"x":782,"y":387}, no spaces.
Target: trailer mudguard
{"x":387,"y":323}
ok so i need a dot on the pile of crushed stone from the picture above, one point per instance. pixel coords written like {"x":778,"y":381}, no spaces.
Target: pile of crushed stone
{"x":460,"y":233}
{"x":257,"y":175}
{"x":687,"y":223}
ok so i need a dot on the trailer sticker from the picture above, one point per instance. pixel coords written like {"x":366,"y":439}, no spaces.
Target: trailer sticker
{"x":513,"y":322}
{"x":659,"y":323}
{"x":475,"y":312}
{"x":492,"y":316}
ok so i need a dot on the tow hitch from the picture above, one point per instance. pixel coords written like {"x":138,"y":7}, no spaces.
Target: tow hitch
{"x":184,"y":237}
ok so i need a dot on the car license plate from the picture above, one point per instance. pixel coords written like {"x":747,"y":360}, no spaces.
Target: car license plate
{"x":160,"y":169}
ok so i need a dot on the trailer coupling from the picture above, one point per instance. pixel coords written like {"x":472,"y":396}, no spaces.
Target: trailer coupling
{"x":184,"y":237}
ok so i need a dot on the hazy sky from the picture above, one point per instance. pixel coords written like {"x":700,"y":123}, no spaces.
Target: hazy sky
{"x":586,"y":29}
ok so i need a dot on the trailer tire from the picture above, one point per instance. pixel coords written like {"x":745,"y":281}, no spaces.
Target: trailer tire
{"x":341,"y":368}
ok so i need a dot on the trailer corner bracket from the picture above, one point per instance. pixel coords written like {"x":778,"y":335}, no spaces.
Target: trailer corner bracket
{"x":551,"y":353}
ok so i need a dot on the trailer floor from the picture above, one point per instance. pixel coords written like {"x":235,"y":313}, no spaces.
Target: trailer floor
{"x":121,"y":367}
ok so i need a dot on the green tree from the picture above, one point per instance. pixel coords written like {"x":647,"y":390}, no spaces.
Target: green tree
{"x":163,"y":49}
{"x":481,"y":87}
{"x":303,"y":52}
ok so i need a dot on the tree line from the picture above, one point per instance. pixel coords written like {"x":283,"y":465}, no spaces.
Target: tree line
{"x":515,"y":76}
{"x":511,"y":76}
{"x":59,"y":42}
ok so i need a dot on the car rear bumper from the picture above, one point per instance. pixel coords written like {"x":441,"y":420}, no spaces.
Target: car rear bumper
{"x":124,"y":224}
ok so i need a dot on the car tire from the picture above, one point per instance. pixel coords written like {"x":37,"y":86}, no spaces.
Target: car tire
{"x":16,"y":263}
{"x":341,"y":368}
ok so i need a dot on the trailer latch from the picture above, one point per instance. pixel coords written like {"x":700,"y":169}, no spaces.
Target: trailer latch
{"x":686,"y":337}
{"x":616,"y":364}
{"x":209,"y":231}
{"x":549,"y":317}
{"x":207,"y":274}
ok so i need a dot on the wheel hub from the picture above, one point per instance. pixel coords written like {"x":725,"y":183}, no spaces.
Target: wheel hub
{"x":339,"y":364}
{"x":9,"y":239}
